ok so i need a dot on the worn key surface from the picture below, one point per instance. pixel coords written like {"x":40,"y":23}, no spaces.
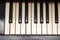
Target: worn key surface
{"x":18,"y":25}
{"x":59,"y":18}
{"x":7,"y":28}
{"x":54,"y":25}
{"x":2,"y":17}
{"x":34,"y":26}
{"x":38,"y":21}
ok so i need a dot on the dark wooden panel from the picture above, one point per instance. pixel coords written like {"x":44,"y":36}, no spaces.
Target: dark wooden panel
{"x":29,"y":37}
{"x":33,"y":0}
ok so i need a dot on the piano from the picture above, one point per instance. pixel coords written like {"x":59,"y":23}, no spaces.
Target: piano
{"x":30,"y":20}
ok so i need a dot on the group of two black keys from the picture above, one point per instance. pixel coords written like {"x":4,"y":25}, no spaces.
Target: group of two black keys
{"x":35,"y":12}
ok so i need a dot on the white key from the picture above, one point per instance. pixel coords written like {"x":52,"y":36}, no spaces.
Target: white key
{"x":17,"y":15}
{"x":28,"y":26}
{"x":49,"y":25}
{"x":13,"y":24}
{"x":38,"y":17}
{"x":44,"y":18}
{"x":53,"y":19}
{"x":23,"y":19}
{"x":59,"y":18}
{"x":33,"y":24}
{"x":7,"y":18}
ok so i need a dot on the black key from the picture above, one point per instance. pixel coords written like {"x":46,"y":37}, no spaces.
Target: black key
{"x":26,"y":12}
{"x":20,"y":12}
{"x":35,"y":12}
{"x":41,"y":12}
{"x":56,"y":13}
{"x":11,"y":12}
{"x":2,"y":17}
{"x":47,"y":13}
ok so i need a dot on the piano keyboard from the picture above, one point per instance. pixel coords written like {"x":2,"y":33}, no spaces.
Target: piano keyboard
{"x":30,"y":18}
